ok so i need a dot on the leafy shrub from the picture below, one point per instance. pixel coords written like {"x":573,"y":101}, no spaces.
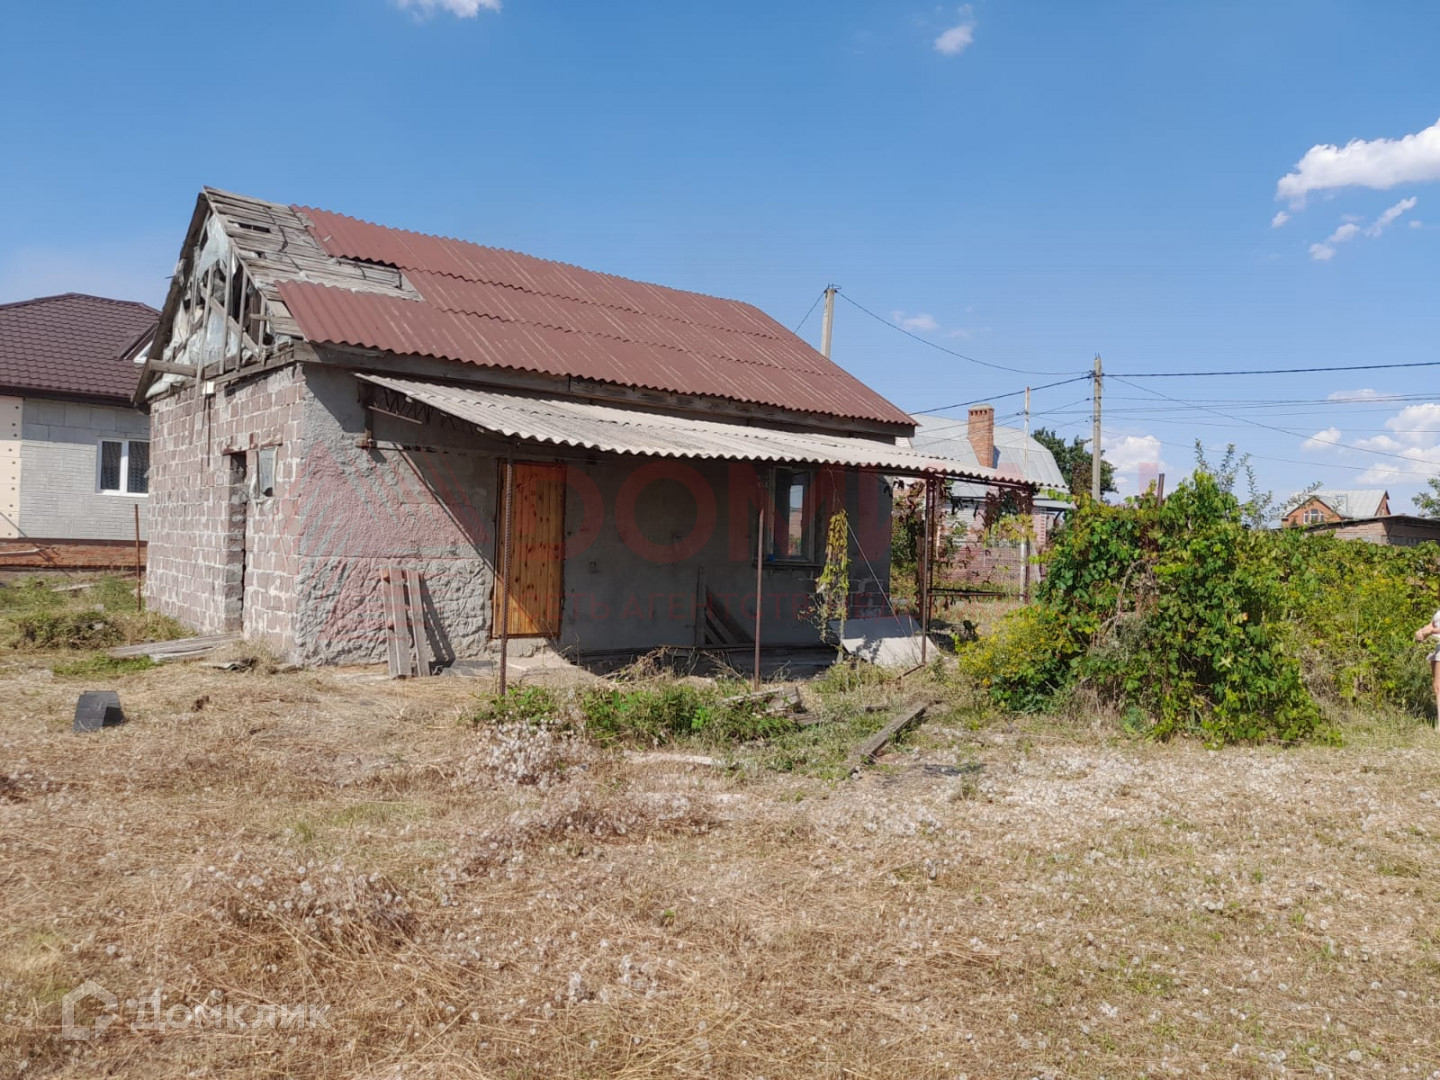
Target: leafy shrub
{"x":1176,"y":610}
{"x":666,"y":711}
{"x":522,"y":705}
{"x":67,"y":630}
{"x":1188,"y":621}
{"x":1356,"y":607}
{"x":1025,"y":661}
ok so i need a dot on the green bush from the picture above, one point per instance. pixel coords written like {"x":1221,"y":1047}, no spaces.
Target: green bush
{"x":67,"y":630}
{"x":1188,"y":621}
{"x":667,"y":711}
{"x":523,"y":705}
{"x":1355,"y":607}
{"x":1025,"y":661}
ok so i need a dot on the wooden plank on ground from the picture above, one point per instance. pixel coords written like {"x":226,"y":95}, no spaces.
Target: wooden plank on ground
{"x":416,"y":602}
{"x":180,"y":648}
{"x":868,"y":750}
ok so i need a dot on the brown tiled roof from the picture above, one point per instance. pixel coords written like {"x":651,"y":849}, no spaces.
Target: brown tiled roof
{"x":497,"y":308}
{"x":72,"y":345}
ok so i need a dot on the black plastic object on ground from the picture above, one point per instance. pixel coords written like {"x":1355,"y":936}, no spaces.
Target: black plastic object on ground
{"x":98,"y":709}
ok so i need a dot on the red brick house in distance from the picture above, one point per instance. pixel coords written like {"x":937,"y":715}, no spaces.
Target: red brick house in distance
{"x":332,"y":400}
{"x":1328,"y":507}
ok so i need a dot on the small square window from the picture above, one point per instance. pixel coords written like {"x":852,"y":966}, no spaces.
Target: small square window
{"x":124,"y":467}
{"x":265,"y":472}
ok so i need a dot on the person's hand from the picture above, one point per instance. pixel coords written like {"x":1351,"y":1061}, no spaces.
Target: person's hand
{"x":1421,"y":635}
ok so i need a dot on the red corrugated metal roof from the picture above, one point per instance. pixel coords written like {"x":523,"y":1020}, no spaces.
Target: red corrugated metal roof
{"x":499,"y":308}
{"x":72,"y":344}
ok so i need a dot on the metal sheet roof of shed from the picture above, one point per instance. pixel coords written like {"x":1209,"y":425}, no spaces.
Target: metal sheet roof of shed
{"x":499,"y":308}
{"x":616,"y":430}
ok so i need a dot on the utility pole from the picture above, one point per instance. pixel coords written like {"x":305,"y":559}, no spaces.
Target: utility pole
{"x":1095,"y":436}
{"x":829,"y":322}
{"x":1025,"y":539}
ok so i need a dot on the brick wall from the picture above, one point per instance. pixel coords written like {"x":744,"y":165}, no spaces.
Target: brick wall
{"x":25,"y":553}
{"x":207,"y":528}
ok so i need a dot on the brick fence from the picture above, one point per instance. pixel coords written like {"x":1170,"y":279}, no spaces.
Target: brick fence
{"x":26,"y":554}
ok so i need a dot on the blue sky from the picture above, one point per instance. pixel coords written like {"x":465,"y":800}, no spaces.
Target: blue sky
{"x":1025,"y":183}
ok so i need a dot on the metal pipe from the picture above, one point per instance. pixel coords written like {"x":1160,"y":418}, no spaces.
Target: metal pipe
{"x":925,"y":572}
{"x":139,"y":599}
{"x":759,"y":567}
{"x":505,"y":567}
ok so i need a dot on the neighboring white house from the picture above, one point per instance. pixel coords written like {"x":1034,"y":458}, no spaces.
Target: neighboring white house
{"x":74,"y":450}
{"x":978,"y":440}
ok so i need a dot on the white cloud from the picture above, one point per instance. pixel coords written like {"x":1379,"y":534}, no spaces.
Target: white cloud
{"x":958,"y":38}
{"x":465,"y":9}
{"x":1322,"y":440}
{"x":1374,"y":163}
{"x":1415,"y":223}
{"x":1414,"y":439}
{"x":1365,"y":394}
{"x":1136,"y":458}
{"x":919,"y":322}
{"x":1388,"y":217}
{"x":1324,"y":252}
{"x":1280,"y":218}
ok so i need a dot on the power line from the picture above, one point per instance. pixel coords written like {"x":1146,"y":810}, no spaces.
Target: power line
{"x":993,"y":397}
{"x":1283,"y":431}
{"x":942,"y":348}
{"x":813,"y":306}
{"x":1273,"y":371}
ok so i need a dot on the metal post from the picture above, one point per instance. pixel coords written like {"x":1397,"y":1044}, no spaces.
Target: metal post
{"x":829,"y":321}
{"x":139,"y":598}
{"x":1095,"y":436}
{"x":759,"y":566}
{"x":925,"y":573}
{"x":1030,"y":524}
{"x":506,"y":515}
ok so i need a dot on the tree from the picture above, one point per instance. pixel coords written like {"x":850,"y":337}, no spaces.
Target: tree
{"x":1428,"y":502}
{"x":1260,"y":509}
{"x":1074,"y":462}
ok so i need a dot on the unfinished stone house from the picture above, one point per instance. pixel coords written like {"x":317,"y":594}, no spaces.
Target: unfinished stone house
{"x":554,"y":454}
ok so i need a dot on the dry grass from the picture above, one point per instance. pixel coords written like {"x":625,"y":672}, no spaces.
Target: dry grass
{"x":995,"y":900}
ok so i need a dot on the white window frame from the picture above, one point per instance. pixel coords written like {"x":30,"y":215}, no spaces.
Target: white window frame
{"x":124,"y":467}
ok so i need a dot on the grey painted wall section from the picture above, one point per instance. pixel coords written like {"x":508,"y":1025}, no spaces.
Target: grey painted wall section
{"x":362,"y":510}
{"x":59,"y":482}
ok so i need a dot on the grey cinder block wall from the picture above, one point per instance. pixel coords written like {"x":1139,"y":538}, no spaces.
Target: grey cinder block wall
{"x":300,"y":568}
{"x":59,"y":494}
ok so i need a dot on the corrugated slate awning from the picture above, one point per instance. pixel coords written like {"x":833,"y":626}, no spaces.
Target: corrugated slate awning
{"x":616,"y":430}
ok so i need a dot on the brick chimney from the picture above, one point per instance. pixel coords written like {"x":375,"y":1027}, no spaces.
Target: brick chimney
{"x":982,"y":434}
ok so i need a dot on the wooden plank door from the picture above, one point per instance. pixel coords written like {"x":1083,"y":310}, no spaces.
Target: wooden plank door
{"x":537,"y":534}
